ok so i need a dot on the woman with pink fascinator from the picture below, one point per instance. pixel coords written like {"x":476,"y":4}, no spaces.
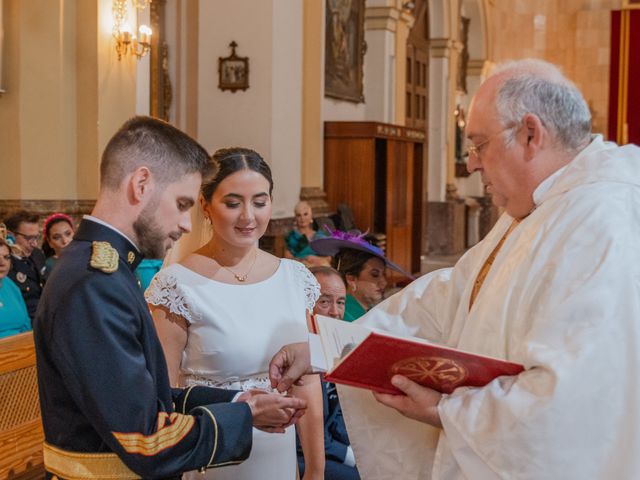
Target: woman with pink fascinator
{"x":57,"y":234}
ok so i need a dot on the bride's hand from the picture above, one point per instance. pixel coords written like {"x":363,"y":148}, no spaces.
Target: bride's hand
{"x":273,"y":412}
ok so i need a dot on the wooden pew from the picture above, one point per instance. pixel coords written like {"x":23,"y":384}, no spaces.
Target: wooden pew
{"x":21,"y":432}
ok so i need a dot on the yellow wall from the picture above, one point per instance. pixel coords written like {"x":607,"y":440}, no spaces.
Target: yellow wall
{"x":10,"y":166}
{"x":312,"y":73}
{"x":66,"y":95}
{"x":572,"y":33}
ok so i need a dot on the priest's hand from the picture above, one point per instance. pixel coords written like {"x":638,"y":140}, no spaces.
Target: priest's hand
{"x":273,"y":412}
{"x":418,"y":402}
{"x":289,"y":365}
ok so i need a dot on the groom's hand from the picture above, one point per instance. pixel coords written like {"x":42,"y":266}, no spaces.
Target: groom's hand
{"x":273,"y":412}
{"x":289,"y":365}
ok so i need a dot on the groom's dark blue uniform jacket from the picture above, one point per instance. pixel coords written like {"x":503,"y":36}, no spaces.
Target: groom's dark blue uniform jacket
{"x":104,"y":386}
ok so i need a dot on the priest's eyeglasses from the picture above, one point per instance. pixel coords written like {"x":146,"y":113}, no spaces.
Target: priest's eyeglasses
{"x":476,"y":150}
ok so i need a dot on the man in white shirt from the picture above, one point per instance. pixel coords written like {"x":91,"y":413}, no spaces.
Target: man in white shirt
{"x":554,"y":286}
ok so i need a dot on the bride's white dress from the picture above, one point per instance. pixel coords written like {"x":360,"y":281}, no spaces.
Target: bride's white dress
{"x":233,"y":332}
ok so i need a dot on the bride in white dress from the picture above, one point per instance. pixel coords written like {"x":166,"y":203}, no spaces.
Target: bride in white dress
{"x":224,"y":310}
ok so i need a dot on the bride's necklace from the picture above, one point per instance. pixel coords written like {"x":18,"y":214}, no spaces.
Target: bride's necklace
{"x":238,"y":277}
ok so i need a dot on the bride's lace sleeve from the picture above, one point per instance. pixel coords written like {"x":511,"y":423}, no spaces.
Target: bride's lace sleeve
{"x":309,"y":282}
{"x":164,"y":291}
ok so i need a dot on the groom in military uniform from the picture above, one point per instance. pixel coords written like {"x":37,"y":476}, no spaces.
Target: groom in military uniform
{"x":108,"y":409}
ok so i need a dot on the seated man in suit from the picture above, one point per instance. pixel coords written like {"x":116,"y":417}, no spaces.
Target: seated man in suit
{"x":340,"y":463}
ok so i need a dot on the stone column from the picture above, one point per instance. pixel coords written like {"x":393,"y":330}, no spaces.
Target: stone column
{"x":403,"y":27}
{"x":442,"y":88}
{"x":381,"y":23}
{"x":446,"y":231}
{"x":312,"y":90}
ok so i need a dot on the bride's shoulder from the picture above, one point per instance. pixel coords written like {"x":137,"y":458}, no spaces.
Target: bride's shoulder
{"x":298,"y":268}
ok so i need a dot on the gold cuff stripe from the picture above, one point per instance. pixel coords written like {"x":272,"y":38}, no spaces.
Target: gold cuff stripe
{"x":147,"y":448}
{"x":215,"y":434}
{"x":152,"y":443}
{"x":165,"y":437}
{"x":77,"y":466}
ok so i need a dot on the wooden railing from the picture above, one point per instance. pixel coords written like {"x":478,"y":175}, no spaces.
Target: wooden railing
{"x":21,"y":433}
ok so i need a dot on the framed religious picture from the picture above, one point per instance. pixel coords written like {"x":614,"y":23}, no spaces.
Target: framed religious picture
{"x":344,"y":50}
{"x":233,"y":71}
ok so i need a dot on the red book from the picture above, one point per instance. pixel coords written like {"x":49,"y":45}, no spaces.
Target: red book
{"x":375,"y":356}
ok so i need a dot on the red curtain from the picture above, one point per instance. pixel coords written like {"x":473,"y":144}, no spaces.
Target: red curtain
{"x":624,"y":77}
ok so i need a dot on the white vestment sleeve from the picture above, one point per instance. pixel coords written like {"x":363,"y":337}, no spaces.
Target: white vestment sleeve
{"x":386,"y":444}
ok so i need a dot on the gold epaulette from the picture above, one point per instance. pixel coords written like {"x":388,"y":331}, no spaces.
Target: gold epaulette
{"x":76,"y":465}
{"x":104,"y":257}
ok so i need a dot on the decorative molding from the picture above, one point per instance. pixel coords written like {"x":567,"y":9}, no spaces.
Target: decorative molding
{"x":475,"y":68}
{"x":160,"y":83}
{"x":408,"y":18}
{"x":74,"y":208}
{"x":452,"y":193}
{"x":442,"y":47}
{"x":381,"y":18}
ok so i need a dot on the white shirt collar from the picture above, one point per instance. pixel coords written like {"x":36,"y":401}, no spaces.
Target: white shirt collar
{"x":105,"y":224}
{"x":546,"y":184}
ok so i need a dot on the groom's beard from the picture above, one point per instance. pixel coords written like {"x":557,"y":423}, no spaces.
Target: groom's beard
{"x":151,"y":239}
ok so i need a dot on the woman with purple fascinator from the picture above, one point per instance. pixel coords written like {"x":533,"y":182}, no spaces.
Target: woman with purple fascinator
{"x":363,"y":267}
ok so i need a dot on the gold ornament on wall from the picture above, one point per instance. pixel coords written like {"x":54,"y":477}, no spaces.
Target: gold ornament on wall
{"x":127,"y":42}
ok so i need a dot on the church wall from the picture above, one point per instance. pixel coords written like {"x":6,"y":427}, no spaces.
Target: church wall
{"x":312,"y":94}
{"x":572,"y":33}
{"x":10,"y":164}
{"x":267,"y":116}
{"x":66,"y":95}
{"x":37,"y":88}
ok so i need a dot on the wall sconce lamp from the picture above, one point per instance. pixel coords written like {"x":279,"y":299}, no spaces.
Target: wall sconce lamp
{"x":126,"y":41}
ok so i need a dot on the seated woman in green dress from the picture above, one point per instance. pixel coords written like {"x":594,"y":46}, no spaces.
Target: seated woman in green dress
{"x":13,"y":312}
{"x":298,"y":241}
{"x":363,"y":267}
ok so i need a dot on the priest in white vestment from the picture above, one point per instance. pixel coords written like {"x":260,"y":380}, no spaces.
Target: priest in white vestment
{"x":554,"y":286}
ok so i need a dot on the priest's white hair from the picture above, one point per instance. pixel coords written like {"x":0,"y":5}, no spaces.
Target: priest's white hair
{"x":538,"y":87}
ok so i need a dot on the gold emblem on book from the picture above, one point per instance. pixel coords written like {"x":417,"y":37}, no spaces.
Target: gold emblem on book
{"x":444,"y":372}
{"x":104,"y":257}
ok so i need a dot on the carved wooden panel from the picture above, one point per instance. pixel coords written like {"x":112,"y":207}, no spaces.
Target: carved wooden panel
{"x":377,"y":170}
{"x":21,"y":432}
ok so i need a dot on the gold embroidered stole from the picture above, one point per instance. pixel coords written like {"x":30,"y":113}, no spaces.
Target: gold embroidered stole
{"x":484,"y":271}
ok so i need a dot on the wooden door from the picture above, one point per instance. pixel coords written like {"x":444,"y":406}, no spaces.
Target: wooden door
{"x":350,"y":177}
{"x":400,"y":202}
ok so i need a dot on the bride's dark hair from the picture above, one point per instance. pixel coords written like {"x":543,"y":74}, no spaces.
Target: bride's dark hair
{"x":230,"y":160}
